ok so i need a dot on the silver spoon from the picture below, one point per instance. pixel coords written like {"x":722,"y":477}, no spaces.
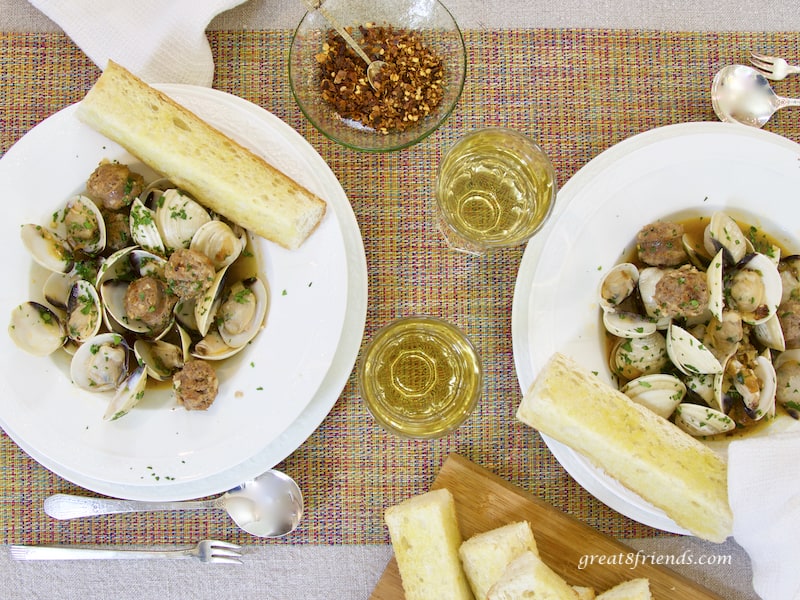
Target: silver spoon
{"x":271,"y":505}
{"x":373,"y":66}
{"x":740,"y":94}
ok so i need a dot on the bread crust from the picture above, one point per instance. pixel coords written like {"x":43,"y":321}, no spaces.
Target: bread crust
{"x":219,"y":172}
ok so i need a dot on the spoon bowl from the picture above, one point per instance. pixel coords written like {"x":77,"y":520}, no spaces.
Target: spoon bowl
{"x":740,"y":94}
{"x":271,"y":505}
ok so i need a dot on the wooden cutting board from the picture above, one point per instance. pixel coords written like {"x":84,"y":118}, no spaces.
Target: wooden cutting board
{"x":485,"y":501}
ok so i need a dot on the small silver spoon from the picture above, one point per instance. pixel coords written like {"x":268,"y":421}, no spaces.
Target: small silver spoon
{"x":373,"y":66}
{"x":740,"y":94}
{"x":271,"y":505}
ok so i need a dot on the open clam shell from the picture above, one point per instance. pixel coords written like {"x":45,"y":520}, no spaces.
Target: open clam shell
{"x":127,"y":395}
{"x":627,"y":324}
{"x":47,"y":248}
{"x":617,"y":285}
{"x":84,"y":225}
{"x":723,"y":233}
{"x":219,"y":242}
{"x":36,"y":329}
{"x":755,"y":289}
{"x":101,"y":363}
{"x":84,"y":312}
{"x":161,"y":359}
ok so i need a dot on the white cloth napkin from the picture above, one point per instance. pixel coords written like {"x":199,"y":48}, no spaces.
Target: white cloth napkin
{"x":764,"y":493}
{"x":161,"y":41}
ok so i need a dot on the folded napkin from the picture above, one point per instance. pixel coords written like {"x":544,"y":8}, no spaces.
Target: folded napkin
{"x":161,"y":42}
{"x":764,"y":493}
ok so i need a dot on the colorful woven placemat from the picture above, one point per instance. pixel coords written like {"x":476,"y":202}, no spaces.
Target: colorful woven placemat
{"x":575,"y":91}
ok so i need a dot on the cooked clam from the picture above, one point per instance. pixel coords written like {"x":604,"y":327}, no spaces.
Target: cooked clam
{"x":84,"y":312}
{"x":631,"y":358}
{"x":689,"y":355}
{"x":178,"y":217}
{"x":85,"y":227}
{"x":787,"y":370}
{"x":219,"y":242}
{"x":700,"y":421}
{"x":36,"y":329}
{"x":242,"y":312}
{"x":617,"y":285}
{"x":144,"y":230}
{"x":723,"y":233}
{"x":659,"y":392}
{"x":755,"y":289}
{"x":101,"y":363}
{"x":47,"y":248}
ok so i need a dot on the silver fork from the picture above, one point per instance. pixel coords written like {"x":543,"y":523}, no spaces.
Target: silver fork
{"x":772,"y":67}
{"x":207,"y":551}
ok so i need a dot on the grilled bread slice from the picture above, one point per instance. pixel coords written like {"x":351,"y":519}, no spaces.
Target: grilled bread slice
{"x":220,"y":173}
{"x":486,"y":555}
{"x":527,"y":577}
{"x":645,"y":452}
{"x":425,"y":538}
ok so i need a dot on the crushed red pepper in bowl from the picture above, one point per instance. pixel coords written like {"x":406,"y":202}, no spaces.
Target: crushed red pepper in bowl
{"x":423,"y":46}
{"x":407,"y":89}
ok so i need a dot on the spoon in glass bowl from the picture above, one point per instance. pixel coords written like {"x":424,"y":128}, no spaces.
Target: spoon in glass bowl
{"x":373,"y":66}
{"x":271,"y":505}
{"x":740,"y":94}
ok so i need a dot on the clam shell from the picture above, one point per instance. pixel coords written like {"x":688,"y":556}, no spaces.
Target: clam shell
{"x":659,"y":392}
{"x":47,"y":248}
{"x":631,"y":358}
{"x":767,"y":272}
{"x":160,"y":358}
{"x":36,"y":329}
{"x":648,"y":279}
{"x":723,"y":232}
{"x":700,"y":421}
{"x":127,"y":395}
{"x":218,"y":241}
{"x":689,"y":355}
{"x":627,"y":324}
{"x":85,"y":226}
{"x":178,"y":217}
{"x":143,"y":228}
{"x":101,"y":363}
{"x":84,"y":312}
{"x":235,"y":328}
{"x":617,"y":284}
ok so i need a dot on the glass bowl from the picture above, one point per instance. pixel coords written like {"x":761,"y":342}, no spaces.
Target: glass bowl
{"x":427,"y":18}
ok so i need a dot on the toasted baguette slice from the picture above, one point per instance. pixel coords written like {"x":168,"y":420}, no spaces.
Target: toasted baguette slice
{"x":645,"y":452}
{"x":528,"y":578}
{"x":425,"y":538}
{"x":220,"y":173}
{"x":486,"y":555}
{"x":635,"y":589}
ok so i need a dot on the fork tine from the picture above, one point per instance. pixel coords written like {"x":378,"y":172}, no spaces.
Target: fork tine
{"x":220,"y":552}
{"x":762,"y":58}
{"x":220,"y":544}
{"x":760,"y":64}
{"x":227,"y":560}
